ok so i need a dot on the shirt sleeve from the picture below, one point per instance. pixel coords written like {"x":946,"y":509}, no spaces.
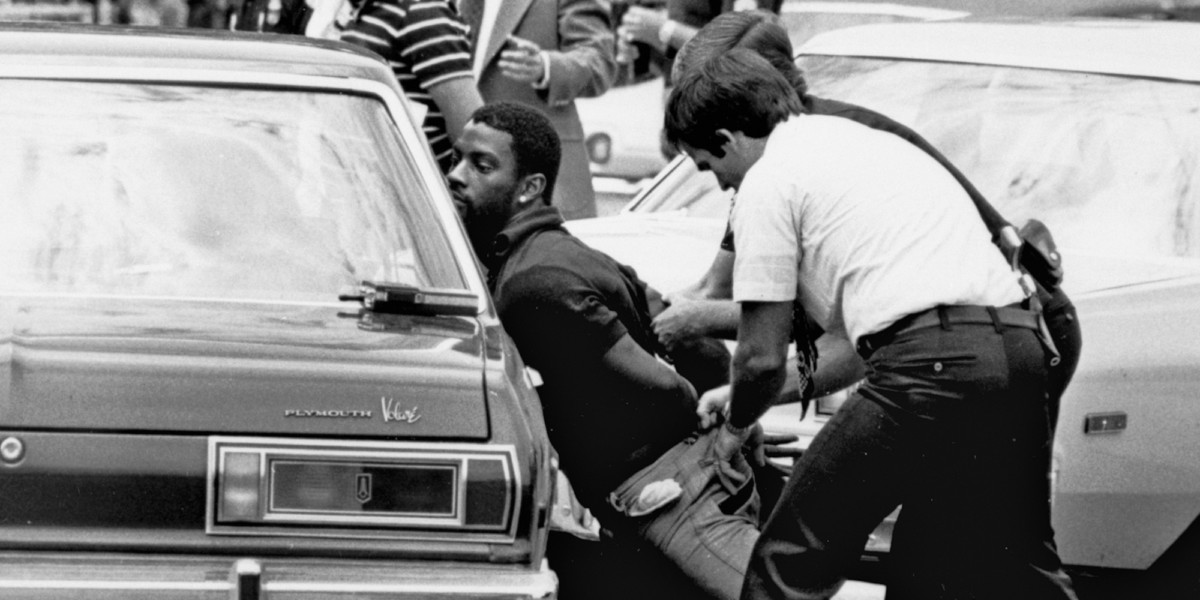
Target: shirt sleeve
{"x":583,"y":65}
{"x":766,"y":225}
{"x":434,"y":40}
{"x":556,"y":315}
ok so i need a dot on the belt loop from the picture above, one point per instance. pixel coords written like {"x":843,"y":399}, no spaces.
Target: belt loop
{"x":995,"y":319}
{"x":943,"y":317}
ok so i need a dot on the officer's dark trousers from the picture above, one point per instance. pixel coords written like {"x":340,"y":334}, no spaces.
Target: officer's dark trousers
{"x":952,"y":423}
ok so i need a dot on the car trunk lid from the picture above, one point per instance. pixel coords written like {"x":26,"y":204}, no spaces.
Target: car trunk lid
{"x":169,"y":365}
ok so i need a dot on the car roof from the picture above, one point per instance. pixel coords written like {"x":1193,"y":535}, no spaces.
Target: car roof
{"x":65,"y":45}
{"x":1167,"y":50}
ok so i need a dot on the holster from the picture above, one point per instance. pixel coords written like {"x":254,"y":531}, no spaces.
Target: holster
{"x":1039,"y":255}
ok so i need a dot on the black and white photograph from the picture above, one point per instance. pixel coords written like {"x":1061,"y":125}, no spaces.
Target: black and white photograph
{"x":599,"y":299}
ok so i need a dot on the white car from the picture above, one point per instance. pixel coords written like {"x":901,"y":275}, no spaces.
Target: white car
{"x":1093,"y":127}
{"x":623,"y":125}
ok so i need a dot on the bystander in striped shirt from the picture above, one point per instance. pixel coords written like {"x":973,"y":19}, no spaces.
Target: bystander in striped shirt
{"x":426,"y":43}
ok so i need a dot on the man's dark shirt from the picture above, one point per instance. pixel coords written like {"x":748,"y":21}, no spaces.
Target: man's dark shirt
{"x":565,"y":305}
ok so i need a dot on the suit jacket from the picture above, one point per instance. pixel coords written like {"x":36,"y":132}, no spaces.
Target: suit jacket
{"x":578,"y":35}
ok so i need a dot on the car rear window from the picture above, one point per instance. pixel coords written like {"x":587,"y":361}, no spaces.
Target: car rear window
{"x":179,"y":190}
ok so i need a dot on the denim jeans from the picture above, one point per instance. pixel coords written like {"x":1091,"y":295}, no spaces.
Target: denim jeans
{"x":709,"y":530}
{"x":952,"y":422}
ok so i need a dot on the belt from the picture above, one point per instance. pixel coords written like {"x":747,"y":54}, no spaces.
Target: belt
{"x":947,"y":316}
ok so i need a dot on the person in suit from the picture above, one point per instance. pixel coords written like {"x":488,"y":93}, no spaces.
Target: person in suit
{"x":547,"y":53}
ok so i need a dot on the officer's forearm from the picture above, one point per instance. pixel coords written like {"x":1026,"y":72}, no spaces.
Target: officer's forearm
{"x":838,"y":365}
{"x":757,"y":381}
{"x":717,"y":318}
{"x":759,"y":364}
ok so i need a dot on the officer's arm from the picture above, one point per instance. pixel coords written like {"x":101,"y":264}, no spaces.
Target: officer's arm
{"x":716,"y":283}
{"x":838,"y":367}
{"x":760,"y":362}
{"x":703,"y":309}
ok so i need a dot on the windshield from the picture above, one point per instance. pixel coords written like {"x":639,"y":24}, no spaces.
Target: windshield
{"x":804,"y":19}
{"x":1110,"y":164}
{"x":172,"y":190}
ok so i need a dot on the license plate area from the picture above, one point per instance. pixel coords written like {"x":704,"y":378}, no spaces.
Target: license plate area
{"x":326,"y":489}
{"x":360,"y":489}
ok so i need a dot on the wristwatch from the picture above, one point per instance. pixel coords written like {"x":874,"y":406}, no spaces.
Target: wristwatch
{"x":738,"y":431}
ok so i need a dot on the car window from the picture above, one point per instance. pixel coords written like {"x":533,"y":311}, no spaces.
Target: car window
{"x":685,"y":190}
{"x":1111,"y":164}
{"x":176,"y":190}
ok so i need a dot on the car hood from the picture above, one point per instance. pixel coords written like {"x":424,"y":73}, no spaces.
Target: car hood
{"x":671,"y":251}
{"x":668,"y":250}
{"x":168,"y":365}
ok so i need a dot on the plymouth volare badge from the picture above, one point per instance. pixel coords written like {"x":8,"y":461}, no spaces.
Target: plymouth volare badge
{"x":327,"y":414}
{"x":392,"y":412}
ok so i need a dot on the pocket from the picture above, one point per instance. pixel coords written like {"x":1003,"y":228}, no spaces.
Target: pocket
{"x":650,"y":490}
{"x":935,"y":364}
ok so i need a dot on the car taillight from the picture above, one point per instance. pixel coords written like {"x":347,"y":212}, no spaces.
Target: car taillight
{"x":242,"y":479}
{"x":374,"y":489}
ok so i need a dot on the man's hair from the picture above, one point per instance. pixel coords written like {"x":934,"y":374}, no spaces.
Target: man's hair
{"x":756,"y":30}
{"x":535,"y":143}
{"x":738,"y":91}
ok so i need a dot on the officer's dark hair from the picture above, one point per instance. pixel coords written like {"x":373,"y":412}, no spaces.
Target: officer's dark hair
{"x":738,"y":91}
{"x":535,"y":143}
{"x":756,"y":30}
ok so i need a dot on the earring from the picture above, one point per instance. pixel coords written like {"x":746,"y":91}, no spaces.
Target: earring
{"x":523,"y":199}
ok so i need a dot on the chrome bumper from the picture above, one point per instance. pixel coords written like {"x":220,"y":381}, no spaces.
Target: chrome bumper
{"x":49,"y":575}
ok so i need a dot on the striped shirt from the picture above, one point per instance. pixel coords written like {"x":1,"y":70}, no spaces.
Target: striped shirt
{"x":426,"y":43}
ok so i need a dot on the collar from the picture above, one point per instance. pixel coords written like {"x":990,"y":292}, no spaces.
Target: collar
{"x":521,"y":227}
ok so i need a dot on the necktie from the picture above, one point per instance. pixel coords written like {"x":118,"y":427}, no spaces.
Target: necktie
{"x":806,"y":353}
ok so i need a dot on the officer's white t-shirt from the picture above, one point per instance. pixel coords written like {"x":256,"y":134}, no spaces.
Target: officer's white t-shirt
{"x":863,"y":225}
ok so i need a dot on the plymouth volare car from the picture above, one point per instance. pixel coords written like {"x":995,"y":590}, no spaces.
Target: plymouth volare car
{"x":1092,"y":127}
{"x":245,"y":348}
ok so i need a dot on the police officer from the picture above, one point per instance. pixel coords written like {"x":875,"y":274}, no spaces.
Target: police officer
{"x":951,"y":419}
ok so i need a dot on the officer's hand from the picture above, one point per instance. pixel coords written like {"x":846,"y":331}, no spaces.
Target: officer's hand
{"x":521,"y":60}
{"x":712,"y":406}
{"x":731,"y":441}
{"x":677,"y":324}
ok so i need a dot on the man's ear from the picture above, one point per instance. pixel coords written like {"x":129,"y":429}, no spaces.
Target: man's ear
{"x":728,"y":137}
{"x":533,"y":186}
